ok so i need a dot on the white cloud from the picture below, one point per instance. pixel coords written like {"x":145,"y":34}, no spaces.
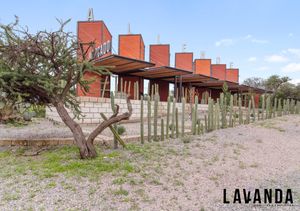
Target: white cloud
{"x":295,"y":81}
{"x":224,"y":42}
{"x":291,"y":34}
{"x":294,"y":51}
{"x":263,"y":68}
{"x":252,"y":59}
{"x":252,"y":39}
{"x":276,"y":58}
{"x":291,"y":68}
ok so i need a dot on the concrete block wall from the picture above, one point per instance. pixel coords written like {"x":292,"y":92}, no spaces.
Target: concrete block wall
{"x":91,"y":108}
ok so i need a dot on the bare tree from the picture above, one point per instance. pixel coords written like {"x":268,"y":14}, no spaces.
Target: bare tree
{"x":255,"y":82}
{"x":44,"y":68}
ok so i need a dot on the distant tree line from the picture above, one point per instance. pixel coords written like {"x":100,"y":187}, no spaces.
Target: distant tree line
{"x":280,"y":86}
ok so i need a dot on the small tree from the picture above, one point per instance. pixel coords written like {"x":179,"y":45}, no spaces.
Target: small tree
{"x":44,"y":68}
{"x":255,"y":82}
{"x":274,"y":82}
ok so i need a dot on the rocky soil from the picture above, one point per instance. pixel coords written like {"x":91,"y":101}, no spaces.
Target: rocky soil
{"x":182,"y":174}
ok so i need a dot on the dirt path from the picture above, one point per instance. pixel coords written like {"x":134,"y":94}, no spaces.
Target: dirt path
{"x":177,"y":176}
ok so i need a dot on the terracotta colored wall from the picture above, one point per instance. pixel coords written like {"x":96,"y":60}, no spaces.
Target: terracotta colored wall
{"x":184,"y":61}
{"x":232,"y":75}
{"x":203,"y":66}
{"x":256,"y":100}
{"x":200,"y":91}
{"x":163,"y":88}
{"x":92,"y":31}
{"x":160,"y":55}
{"x":215,"y":93}
{"x":219,"y":71}
{"x":132,"y":46}
{"x":132,"y":79}
{"x":95,"y":90}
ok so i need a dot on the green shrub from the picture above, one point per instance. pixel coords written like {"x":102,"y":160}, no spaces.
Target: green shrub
{"x":121,"y":129}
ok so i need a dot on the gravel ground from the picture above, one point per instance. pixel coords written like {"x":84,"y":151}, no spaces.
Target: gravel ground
{"x":38,"y":128}
{"x":43,"y":128}
{"x":177,"y":176}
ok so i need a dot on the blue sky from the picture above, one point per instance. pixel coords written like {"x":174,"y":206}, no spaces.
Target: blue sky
{"x":261,"y":37}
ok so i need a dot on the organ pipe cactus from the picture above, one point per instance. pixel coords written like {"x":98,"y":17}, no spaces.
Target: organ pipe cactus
{"x":124,"y":89}
{"x":202,"y":128}
{"x":209,"y":120}
{"x":205,"y":123}
{"x":297,"y":109}
{"x":248,"y":112}
{"x":155,"y":117}
{"x":162,"y":134}
{"x":142,"y":120}
{"x":168,"y":116}
{"x":176,"y":123}
{"x":231,"y":111}
{"x":240,"y":111}
{"x":149,"y":118}
{"x":137,"y":91}
{"x":173,"y":118}
{"x":193,"y":120}
{"x":235,"y":100}
{"x":210,"y":115}
{"x":198,"y":127}
{"x":292,"y":106}
{"x":288,"y":106}
{"x":234,"y":119}
{"x":223,"y":110}
{"x":268,"y":108}
{"x":182,"y":116}
{"x":279,"y":108}
{"x":253,"y":108}
{"x":129,"y":88}
{"x":263,"y":105}
{"x":152,"y":91}
{"x":215,"y":116}
{"x":218,"y":114}
{"x":195,"y":113}
{"x":275,"y":107}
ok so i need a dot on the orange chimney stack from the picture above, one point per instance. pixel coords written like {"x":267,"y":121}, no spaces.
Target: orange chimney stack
{"x":97,"y":32}
{"x":232,"y":74}
{"x":184,"y":60}
{"x":203,"y":66}
{"x":219,"y":71}
{"x":160,"y":54}
{"x":132,"y":46}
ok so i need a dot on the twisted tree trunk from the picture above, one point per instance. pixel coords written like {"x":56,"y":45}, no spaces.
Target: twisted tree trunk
{"x":86,"y":150}
{"x":86,"y":145}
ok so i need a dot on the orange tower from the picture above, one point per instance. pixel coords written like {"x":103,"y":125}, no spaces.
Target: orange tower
{"x":97,"y":32}
{"x":203,"y":66}
{"x":184,"y":60}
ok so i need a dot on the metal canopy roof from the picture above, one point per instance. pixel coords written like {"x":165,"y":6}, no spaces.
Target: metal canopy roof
{"x":232,"y":86}
{"x":163,"y":72}
{"x":194,"y":78}
{"x":122,"y":65}
{"x":217,"y":84}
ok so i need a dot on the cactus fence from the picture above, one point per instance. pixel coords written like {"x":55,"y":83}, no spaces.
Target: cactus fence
{"x":221,"y":113}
